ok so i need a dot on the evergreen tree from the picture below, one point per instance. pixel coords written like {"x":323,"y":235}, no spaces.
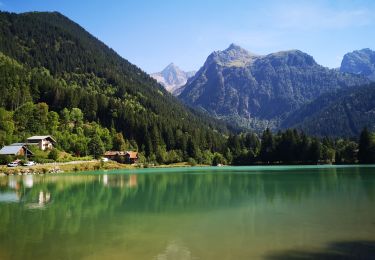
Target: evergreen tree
{"x":119,"y":143}
{"x":366,"y":153}
{"x":315,"y":151}
{"x":96,"y":146}
{"x":267,"y":147}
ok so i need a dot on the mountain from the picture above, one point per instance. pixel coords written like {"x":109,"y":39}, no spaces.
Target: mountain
{"x":260,"y":91}
{"x":173,"y":78}
{"x":339,"y":113}
{"x":56,"y":61}
{"x":360,"y":62}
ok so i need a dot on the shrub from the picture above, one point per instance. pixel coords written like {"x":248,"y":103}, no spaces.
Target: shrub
{"x":218,"y":159}
{"x":5,"y":159}
{"x":42,"y":160}
{"x":192,"y":162}
{"x":53,"y":154}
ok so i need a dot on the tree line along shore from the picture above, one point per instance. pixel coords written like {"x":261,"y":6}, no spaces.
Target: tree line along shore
{"x":289,"y":147}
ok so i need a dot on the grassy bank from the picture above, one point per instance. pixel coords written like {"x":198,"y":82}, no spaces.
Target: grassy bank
{"x":81,"y":166}
{"x":65,"y":167}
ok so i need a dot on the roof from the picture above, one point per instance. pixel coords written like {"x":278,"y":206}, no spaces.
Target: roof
{"x":132,"y":155}
{"x":13,"y":150}
{"x":41,"y":137}
{"x":17,"y":144}
{"x":114,"y":153}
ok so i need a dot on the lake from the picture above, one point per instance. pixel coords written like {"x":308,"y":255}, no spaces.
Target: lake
{"x":191,"y":213}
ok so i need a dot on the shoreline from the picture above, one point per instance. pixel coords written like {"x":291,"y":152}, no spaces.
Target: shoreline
{"x":77,"y":166}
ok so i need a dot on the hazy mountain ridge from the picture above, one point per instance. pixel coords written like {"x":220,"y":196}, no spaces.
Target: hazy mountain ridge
{"x":234,"y":83}
{"x":173,"y":78}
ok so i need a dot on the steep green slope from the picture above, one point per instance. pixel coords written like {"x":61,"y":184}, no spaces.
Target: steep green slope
{"x":340,"y":113}
{"x":63,"y":65}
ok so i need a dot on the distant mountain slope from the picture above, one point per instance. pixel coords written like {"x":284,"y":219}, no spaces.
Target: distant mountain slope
{"x":360,"y":62}
{"x":173,"y":78}
{"x":340,"y":113}
{"x":256,"y":89}
{"x":65,"y":66}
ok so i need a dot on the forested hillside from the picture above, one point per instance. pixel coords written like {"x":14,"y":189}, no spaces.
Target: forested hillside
{"x":340,"y":113}
{"x":48,"y":58}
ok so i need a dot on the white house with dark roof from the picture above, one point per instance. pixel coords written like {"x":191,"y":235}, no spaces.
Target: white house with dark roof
{"x":44,"y":142}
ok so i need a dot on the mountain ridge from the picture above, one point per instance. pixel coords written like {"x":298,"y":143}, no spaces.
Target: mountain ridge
{"x":263,"y":88}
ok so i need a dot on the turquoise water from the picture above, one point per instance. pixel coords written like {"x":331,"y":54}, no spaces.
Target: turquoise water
{"x":191,"y":213}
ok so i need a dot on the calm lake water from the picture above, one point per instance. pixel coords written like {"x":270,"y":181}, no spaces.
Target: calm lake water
{"x":194,"y":213}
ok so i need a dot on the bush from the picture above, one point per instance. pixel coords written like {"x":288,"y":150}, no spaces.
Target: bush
{"x":192,"y":162}
{"x":5,"y":159}
{"x":53,"y":154}
{"x":23,"y":161}
{"x":218,"y":159}
{"x":42,"y":160}
{"x":97,"y":166}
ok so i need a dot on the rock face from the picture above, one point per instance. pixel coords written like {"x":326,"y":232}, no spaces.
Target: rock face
{"x":173,"y":78}
{"x":360,"y":62}
{"x":254,"y":89}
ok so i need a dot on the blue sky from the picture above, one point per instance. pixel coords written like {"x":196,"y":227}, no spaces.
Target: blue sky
{"x":151,"y":34}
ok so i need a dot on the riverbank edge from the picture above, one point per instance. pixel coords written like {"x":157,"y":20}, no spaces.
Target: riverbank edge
{"x":94,"y":165}
{"x":55,"y":168}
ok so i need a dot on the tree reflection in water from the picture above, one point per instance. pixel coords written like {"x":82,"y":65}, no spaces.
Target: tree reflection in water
{"x":76,"y":207}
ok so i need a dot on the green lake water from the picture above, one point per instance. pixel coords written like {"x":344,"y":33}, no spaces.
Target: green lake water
{"x":193,"y":213}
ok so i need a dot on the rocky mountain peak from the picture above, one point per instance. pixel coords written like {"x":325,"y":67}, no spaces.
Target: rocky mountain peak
{"x":233,"y":56}
{"x":360,"y":62}
{"x":172,"y":78}
{"x":170,"y":70}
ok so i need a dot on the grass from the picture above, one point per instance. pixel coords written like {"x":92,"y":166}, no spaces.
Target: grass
{"x":84,"y":166}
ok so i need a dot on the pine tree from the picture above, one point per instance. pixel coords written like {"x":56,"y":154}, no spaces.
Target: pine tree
{"x":267,"y":147}
{"x":366,"y":153}
{"x":96,"y":146}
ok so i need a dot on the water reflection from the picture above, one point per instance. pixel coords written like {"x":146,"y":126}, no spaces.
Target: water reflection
{"x":133,"y":211}
{"x":180,"y":191}
{"x":175,"y":250}
{"x":120,"y":181}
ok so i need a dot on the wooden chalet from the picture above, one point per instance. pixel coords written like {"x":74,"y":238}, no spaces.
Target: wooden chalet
{"x":131,"y":157}
{"x":114,"y":155}
{"x":44,"y":142}
{"x":128,"y":156}
{"x":16,"y":149}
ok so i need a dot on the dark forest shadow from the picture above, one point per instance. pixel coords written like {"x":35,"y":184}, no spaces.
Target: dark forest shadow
{"x":337,"y":250}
